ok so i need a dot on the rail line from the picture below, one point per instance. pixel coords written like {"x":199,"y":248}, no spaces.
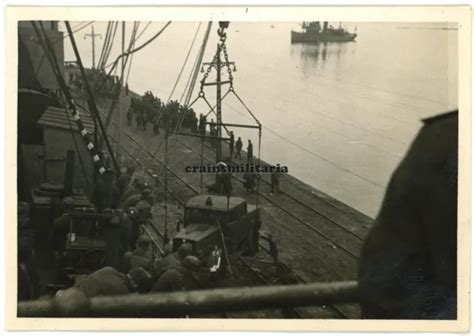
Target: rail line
{"x":273,"y":202}
{"x":181,"y":200}
{"x":302,"y":221}
{"x":293,"y":198}
{"x":155,"y":230}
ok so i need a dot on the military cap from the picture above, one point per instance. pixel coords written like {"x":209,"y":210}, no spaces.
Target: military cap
{"x":191,"y":262}
{"x":146,"y":191}
{"x":141,"y":279}
{"x":143,"y":241}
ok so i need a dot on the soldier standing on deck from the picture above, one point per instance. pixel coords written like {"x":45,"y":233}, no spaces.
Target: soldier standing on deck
{"x":275,"y":182}
{"x":201,"y":123}
{"x":114,"y":246}
{"x":249,"y":152}
{"x":231,"y":143}
{"x":204,"y":123}
{"x":238,"y":148}
{"x":138,"y":120}
{"x":121,"y":184}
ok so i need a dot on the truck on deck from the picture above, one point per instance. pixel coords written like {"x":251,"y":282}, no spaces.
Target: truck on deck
{"x":228,"y":223}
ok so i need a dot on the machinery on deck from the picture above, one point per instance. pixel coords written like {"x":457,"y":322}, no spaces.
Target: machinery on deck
{"x":228,"y":223}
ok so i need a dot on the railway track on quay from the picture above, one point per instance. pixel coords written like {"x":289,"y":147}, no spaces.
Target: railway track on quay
{"x":181,"y":190}
{"x":156,"y":234}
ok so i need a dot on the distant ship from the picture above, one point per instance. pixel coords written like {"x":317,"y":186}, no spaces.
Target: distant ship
{"x":312,"y":33}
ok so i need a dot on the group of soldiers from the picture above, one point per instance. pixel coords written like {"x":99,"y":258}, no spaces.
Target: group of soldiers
{"x":104,"y":86}
{"x":129,"y":262}
{"x":149,"y":109}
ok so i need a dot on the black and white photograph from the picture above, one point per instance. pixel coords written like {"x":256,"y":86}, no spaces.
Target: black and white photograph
{"x":305,"y":168}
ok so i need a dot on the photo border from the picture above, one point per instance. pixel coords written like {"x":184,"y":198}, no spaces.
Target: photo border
{"x":459,"y":14}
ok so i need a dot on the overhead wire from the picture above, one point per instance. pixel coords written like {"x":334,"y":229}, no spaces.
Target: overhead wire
{"x":117,"y":93}
{"x":105,"y":44}
{"x":185,"y":62}
{"x":144,"y":30}
{"x":194,"y":72}
{"x":110,"y":45}
{"x":114,"y":64}
{"x":40,"y":63}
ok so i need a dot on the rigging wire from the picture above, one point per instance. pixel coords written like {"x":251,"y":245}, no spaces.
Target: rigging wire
{"x":310,"y":152}
{"x":144,"y":29}
{"x":109,"y":49}
{"x":91,"y":100}
{"x":106,"y":43}
{"x":189,"y":79}
{"x":60,"y":39}
{"x":194,"y":73}
{"x":114,"y":64}
{"x":185,"y":62}
{"x":118,"y":90}
{"x":201,"y":55}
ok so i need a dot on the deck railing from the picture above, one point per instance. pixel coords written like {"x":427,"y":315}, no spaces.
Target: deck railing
{"x":193,"y":302}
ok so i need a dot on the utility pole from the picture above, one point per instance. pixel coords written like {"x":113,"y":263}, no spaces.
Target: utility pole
{"x":93,"y":35}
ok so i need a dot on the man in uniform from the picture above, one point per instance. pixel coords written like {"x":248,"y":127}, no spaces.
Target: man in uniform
{"x":231,"y":143}
{"x":201,"y":123}
{"x":407,"y":268}
{"x":132,"y":201}
{"x":133,"y":188}
{"x":249,"y":181}
{"x":238,"y":148}
{"x":122,"y":182}
{"x":173,"y":260}
{"x":140,"y":257}
{"x":144,"y":209}
{"x":275,"y":182}
{"x":130,"y":228}
{"x":178,"y":278}
{"x":108,"y":281}
{"x":138,"y":120}
{"x":204,"y":123}
{"x":145,"y":194}
{"x":104,"y":190}
{"x":144,"y":122}
{"x":156,"y":124}
{"x":114,"y":245}
{"x":250,"y":152}
{"x":129,"y":117}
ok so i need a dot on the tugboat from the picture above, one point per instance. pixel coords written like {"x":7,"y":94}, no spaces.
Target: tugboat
{"x":312,"y":33}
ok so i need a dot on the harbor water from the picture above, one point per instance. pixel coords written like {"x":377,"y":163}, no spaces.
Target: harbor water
{"x":340,"y":115}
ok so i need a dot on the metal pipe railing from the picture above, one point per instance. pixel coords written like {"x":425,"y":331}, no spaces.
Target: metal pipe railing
{"x":193,"y":302}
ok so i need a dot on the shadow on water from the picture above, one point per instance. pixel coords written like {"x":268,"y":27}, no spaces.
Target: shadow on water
{"x":318,"y":56}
